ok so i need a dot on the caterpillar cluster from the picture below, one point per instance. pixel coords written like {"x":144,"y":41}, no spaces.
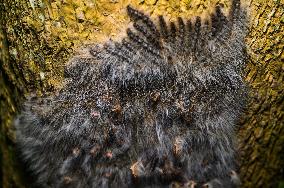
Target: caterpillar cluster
{"x":159,"y":107}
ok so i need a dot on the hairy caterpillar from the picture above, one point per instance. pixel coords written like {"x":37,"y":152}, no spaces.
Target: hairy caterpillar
{"x":156,"y":108}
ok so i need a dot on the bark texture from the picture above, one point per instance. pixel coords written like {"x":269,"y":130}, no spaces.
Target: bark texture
{"x":38,"y":36}
{"x":262,"y":132}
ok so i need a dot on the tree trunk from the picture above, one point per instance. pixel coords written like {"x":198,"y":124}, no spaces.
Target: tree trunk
{"x":38,"y":36}
{"x":262,"y":133}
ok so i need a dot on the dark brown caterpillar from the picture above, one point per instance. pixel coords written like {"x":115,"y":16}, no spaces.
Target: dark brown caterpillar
{"x":159,"y":107}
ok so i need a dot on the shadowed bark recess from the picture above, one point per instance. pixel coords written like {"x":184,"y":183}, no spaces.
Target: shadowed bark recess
{"x":37,"y":38}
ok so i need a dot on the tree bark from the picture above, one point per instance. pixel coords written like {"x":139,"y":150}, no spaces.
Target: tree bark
{"x":38,"y":36}
{"x":261,"y":136}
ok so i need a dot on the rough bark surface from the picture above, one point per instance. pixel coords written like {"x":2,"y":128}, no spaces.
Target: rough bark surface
{"x":262,"y":132}
{"x":38,"y":36}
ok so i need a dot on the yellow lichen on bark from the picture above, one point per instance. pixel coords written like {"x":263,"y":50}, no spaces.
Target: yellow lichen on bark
{"x":262,"y":134}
